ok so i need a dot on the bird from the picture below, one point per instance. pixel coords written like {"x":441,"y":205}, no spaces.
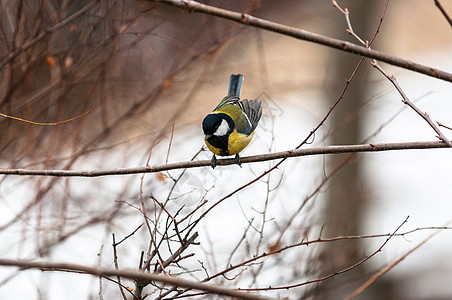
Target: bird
{"x":229,"y":128}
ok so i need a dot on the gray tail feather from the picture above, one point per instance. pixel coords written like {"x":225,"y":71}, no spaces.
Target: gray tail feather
{"x":253,"y":109}
{"x":235,"y":85}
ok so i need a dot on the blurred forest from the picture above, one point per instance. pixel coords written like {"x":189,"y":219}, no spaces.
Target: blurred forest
{"x":111,"y":85}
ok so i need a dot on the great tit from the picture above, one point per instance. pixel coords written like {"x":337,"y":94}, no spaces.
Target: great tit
{"x":230,"y":126}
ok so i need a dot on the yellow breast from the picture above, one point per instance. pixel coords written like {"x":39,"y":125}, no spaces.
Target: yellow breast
{"x":238,"y":141}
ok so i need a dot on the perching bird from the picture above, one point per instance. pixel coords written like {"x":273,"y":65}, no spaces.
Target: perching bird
{"x":230,"y":126}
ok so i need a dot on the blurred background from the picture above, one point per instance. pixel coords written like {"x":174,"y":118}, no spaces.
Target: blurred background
{"x":161,"y":70}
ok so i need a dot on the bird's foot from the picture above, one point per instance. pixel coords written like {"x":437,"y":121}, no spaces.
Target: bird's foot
{"x":237,"y":160}
{"x":213,"y":162}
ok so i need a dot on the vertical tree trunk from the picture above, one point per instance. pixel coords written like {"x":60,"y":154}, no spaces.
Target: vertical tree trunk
{"x":345,"y":194}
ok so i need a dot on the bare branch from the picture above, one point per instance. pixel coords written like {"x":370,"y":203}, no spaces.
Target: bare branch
{"x":193,"y":6}
{"x":320,"y":240}
{"x":230,"y":161}
{"x":131,"y":274}
{"x":392,"y":78}
{"x":389,"y":267}
{"x":442,"y":125}
{"x":444,"y":12}
{"x":115,"y":260}
{"x":408,"y":102}
{"x":54,"y":123}
{"x":337,"y":272}
{"x":44,"y":34}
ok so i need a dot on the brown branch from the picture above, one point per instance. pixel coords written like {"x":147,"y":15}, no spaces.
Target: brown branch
{"x":115,"y":260}
{"x":444,"y":12}
{"x":230,"y":161}
{"x":44,"y":34}
{"x":388,"y":267}
{"x":315,"y":241}
{"x":141,"y":284}
{"x":131,"y":274}
{"x":442,"y":125}
{"x":337,"y":272}
{"x":54,"y":123}
{"x":408,"y":102}
{"x":193,"y":6}
{"x":392,"y":78}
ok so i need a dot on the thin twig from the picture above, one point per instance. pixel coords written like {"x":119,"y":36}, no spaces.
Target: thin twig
{"x":115,"y":260}
{"x":349,"y":23}
{"x":444,"y":12}
{"x":179,"y":251}
{"x":388,"y":267}
{"x":101,"y":295}
{"x":442,"y":125}
{"x":127,"y":236}
{"x":335,"y":273}
{"x":316,"y":241}
{"x":408,"y":102}
{"x":54,"y":123}
{"x":170,"y":142}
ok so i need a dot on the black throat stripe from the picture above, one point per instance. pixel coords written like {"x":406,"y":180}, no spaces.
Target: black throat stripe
{"x":220,"y":142}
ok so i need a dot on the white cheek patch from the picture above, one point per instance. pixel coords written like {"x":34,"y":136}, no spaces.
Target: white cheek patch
{"x":222,"y":129}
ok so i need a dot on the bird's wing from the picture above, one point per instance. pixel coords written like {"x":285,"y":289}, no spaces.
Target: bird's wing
{"x":227,"y":100}
{"x":253,"y":109}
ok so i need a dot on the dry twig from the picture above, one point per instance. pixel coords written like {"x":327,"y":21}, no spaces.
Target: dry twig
{"x":131,"y":274}
{"x":444,"y":12}
{"x":389,"y":267}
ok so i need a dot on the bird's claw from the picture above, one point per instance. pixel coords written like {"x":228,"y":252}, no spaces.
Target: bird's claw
{"x":237,"y":160}
{"x":213,"y":162}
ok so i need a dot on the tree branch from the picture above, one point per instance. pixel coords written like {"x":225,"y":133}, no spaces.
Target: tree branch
{"x":408,"y":102}
{"x":44,"y":34}
{"x":193,"y":6}
{"x":444,"y":12}
{"x":389,"y":267}
{"x":231,"y":161}
{"x":393,"y":80}
{"x":131,"y":274}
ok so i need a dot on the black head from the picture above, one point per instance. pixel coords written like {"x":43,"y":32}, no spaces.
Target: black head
{"x":211,"y":123}
{"x":217,"y":124}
